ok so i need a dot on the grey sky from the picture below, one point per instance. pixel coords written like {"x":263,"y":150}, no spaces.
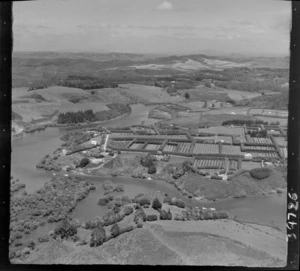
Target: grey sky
{"x":153,"y":26}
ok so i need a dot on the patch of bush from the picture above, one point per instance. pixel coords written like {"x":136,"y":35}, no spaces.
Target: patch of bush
{"x":143,"y":201}
{"x":65,"y":229}
{"x":156,"y":204}
{"x":84,"y":161}
{"x":108,"y":185}
{"x":98,"y":237}
{"x":139,"y":215}
{"x":168,"y":200}
{"x":180,"y":203}
{"x":126,"y":229}
{"x":260,"y":173}
{"x":163,"y":215}
{"x":119,"y":188}
{"x":43,"y":239}
{"x":152,"y":217}
{"x":111,"y":218}
{"x":30,"y":244}
{"x":152,"y":169}
{"x":115,"y":230}
{"x":127,"y":210}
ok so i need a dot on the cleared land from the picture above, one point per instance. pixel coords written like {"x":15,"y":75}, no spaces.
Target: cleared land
{"x":222,"y":242}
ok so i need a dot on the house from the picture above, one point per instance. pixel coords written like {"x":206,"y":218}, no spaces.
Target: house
{"x":94,"y":142}
{"x":248,"y":156}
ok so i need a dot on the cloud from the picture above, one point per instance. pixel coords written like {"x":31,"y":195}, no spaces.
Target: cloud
{"x":165,"y":6}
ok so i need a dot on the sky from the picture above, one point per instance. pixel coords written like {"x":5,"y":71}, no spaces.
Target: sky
{"x":153,"y":26}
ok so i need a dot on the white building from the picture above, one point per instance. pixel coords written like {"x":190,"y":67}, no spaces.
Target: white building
{"x":248,"y":156}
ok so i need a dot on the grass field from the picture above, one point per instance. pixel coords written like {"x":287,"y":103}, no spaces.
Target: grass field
{"x":223,"y":130}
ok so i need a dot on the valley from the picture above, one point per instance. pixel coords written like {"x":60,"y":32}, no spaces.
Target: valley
{"x":110,"y":137}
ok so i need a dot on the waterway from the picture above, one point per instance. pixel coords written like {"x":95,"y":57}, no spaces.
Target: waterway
{"x":28,"y":150}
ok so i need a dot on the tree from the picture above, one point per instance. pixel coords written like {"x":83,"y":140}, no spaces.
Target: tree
{"x":186,"y":95}
{"x":65,"y":229}
{"x":156,"y":204}
{"x":84,"y":161}
{"x":115,"y":230}
{"x":152,"y":169}
{"x":98,"y":237}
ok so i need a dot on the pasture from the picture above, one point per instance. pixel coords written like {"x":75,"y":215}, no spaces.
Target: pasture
{"x":223,"y":130}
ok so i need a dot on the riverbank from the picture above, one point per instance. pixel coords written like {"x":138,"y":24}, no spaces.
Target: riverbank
{"x":52,"y":203}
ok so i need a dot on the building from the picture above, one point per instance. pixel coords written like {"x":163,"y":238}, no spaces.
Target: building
{"x":248,"y":156}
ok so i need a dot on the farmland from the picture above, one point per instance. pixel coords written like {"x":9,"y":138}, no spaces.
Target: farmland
{"x":209,"y":163}
{"x":265,"y":154}
{"x":136,"y":146}
{"x":205,"y":148}
{"x":119,"y":144}
{"x":259,"y":140}
{"x":259,"y":148}
{"x":151,"y":146}
{"x":184,"y":147}
{"x":170,"y":147}
{"x":233,"y":150}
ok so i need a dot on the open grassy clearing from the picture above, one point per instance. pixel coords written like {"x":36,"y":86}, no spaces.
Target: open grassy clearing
{"x":147,"y":94}
{"x":238,"y":95}
{"x":205,"y":94}
{"x":222,"y":130}
{"x":194,"y":120}
{"x":228,"y":110}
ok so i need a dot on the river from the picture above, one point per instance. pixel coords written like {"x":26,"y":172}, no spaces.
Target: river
{"x":28,"y":150}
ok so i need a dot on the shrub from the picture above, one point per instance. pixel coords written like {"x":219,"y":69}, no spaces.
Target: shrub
{"x":152,"y":169}
{"x":84,"y":161}
{"x":180,"y":203}
{"x":151,"y":217}
{"x":18,"y":243}
{"x":108,"y":185}
{"x":102,"y":201}
{"x":119,"y":188}
{"x":115,"y":230}
{"x":163,"y":215}
{"x":30,"y":244}
{"x":125,"y":199}
{"x":179,"y":217}
{"x":156,"y":204}
{"x":65,"y":229}
{"x":260,"y":173}
{"x":126,"y":229}
{"x":169,"y":215}
{"x":43,"y":239}
{"x":97,"y":222}
{"x":143,"y":201}
{"x":139,"y":215}
{"x":128,"y":210}
{"x":168,"y":200}
{"x":75,"y":238}
{"x":98,"y":237}
{"x":139,"y":224}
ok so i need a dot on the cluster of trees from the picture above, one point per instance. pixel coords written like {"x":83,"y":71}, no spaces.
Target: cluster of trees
{"x":260,"y":173}
{"x":76,"y":117}
{"x":258,"y":133}
{"x":238,"y":122}
{"x":148,"y":161}
{"x":85,"y":82}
